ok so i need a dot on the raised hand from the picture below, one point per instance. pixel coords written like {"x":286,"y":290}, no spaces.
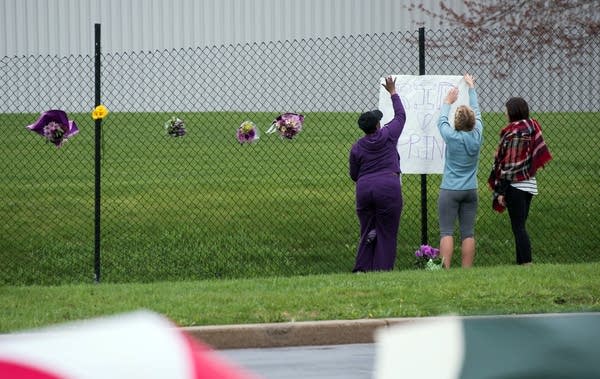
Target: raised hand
{"x":390,"y":85}
{"x":470,"y":80}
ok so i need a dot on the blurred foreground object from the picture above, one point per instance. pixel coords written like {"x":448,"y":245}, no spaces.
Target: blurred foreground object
{"x":534,"y":346}
{"x":134,"y":345}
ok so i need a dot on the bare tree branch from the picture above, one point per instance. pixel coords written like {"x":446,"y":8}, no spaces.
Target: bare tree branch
{"x":519,"y":28}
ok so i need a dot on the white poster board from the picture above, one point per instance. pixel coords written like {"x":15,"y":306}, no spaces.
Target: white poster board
{"x":420,"y":146}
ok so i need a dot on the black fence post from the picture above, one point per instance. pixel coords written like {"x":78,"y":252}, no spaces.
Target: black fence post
{"x":97,"y":157}
{"x":423,"y":176}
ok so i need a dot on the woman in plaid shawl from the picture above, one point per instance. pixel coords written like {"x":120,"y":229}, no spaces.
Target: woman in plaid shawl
{"x":521,"y":152}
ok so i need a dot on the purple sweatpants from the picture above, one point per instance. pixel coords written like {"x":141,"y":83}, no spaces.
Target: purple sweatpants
{"x":378,"y":207}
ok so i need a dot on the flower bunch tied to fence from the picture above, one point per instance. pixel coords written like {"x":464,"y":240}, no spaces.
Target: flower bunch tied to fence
{"x":247,"y":132}
{"x":54,"y":125}
{"x":288,"y":125}
{"x":428,"y":258}
{"x":175,"y":127}
{"x":99,"y":112}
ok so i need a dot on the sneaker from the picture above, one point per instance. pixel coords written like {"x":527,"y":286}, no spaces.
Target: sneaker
{"x":371,"y":236}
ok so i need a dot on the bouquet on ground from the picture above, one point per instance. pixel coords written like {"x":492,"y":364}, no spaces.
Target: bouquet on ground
{"x":175,"y":127}
{"x":428,"y":258}
{"x":55,"y":126}
{"x":247,"y":132}
{"x":288,"y":125}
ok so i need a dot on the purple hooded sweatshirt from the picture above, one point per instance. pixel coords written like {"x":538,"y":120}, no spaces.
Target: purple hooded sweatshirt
{"x":375,"y":166}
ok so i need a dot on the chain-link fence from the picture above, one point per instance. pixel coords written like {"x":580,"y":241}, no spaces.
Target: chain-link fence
{"x":205,"y":206}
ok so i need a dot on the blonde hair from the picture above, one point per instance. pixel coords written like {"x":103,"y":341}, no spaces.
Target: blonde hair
{"x":464,"y":119}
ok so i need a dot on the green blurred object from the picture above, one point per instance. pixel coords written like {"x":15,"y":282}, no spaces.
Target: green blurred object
{"x":549,"y":347}
{"x":553,"y":346}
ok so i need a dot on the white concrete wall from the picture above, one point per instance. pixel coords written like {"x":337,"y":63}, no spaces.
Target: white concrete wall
{"x":66,"y":27}
{"x":48,"y":44}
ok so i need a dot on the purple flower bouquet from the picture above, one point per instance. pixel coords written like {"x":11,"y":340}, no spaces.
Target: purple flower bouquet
{"x":247,"y":132}
{"x":288,"y":125}
{"x":428,"y":258}
{"x":175,"y":127}
{"x":55,"y":126}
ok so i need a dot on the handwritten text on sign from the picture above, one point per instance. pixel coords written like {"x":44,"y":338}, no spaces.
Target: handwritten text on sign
{"x":420,"y":146}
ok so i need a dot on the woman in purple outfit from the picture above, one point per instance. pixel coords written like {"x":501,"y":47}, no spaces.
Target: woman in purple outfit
{"x":375,"y":167}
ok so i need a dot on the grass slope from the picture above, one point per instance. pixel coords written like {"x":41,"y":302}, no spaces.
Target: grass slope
{"x":543,"y":288}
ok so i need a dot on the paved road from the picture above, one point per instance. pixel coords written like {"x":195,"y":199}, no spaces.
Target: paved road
{"x":307,"y":362}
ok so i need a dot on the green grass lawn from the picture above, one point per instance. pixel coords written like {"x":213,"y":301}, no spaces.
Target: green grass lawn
{"x":203,"y":206}
{"x":544,"y":288}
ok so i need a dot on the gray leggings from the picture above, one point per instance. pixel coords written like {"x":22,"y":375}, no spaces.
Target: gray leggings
{"x":461,"y":205}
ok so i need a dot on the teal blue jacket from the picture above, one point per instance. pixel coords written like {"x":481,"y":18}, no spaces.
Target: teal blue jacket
{"x":462,"y":149}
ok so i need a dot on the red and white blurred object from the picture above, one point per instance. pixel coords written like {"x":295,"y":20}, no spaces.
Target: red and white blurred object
{"x":133,"y":345}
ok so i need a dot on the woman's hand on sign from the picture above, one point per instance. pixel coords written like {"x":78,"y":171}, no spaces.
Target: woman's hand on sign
{"x":451,"y":96}
{"x":390,"y":85}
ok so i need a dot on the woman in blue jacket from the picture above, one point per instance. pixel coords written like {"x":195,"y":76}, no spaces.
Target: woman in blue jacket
{"x":375,"y":167}
{"x":458,"y":191}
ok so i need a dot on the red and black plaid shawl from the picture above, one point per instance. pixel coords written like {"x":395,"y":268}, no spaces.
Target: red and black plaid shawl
{"x":521,"y":152}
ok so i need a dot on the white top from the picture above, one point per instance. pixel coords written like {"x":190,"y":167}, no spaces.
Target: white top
{"x":528,"y":185}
